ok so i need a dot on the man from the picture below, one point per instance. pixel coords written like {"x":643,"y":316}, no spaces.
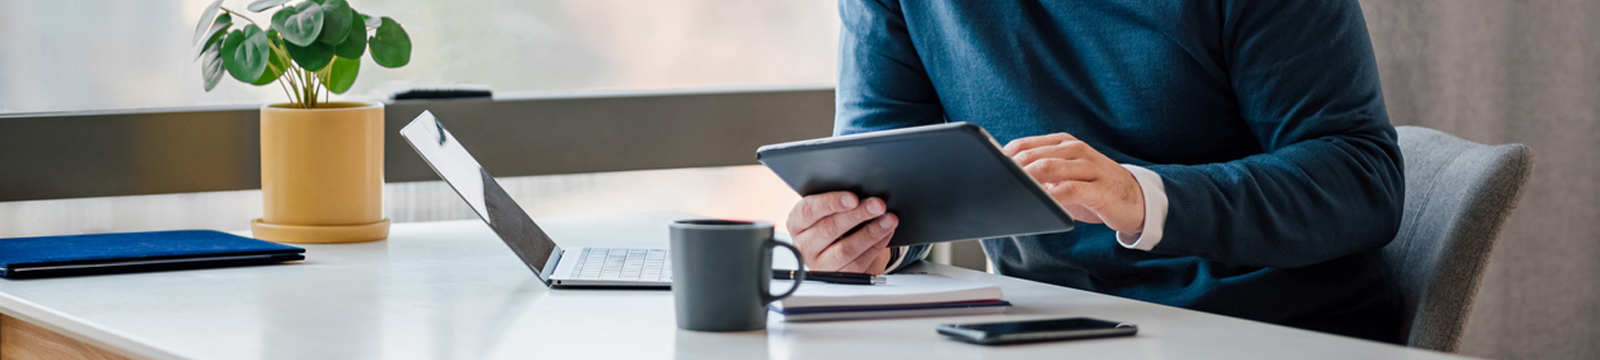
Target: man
{"x":1229,"y":156}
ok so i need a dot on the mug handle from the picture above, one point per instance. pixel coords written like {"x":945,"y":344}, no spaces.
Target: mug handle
{"x":799,"y":276}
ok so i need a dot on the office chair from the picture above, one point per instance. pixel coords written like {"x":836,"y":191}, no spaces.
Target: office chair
{"x":1458,"y":196}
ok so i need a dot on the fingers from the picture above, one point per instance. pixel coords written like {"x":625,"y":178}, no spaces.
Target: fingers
{"x":816,"y":207}
{"x":1019,"y":145}
{"x":836,"y":225}
{"x":1077,"y":192}
{"x":1083,"y":214}
{"x":1066,"y":150}
{"x":827,"y":231}
{"x":1087,"y":184}
{"x":1048,"y":171}
{"x":856,"y":252}
{"x":1088,"y":202}
{"x":868,"y":261}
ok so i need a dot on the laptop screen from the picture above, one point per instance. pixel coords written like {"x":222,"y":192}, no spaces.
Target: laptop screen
{"x":448,"y":158}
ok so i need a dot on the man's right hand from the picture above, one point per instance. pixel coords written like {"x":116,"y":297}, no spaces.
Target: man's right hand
{"x":818,"y":225}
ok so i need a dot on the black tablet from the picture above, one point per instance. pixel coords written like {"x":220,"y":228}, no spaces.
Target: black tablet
{"x":946,"y":182}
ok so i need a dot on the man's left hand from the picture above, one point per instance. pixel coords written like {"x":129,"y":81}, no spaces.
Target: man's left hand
{"x":1089,"y":185}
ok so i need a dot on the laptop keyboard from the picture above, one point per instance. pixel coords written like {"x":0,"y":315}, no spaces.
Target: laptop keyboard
{"x":623,"y":264}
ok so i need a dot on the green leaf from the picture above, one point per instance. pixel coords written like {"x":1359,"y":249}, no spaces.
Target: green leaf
{"x":260,"y":5}
{"x":371,"y":22}
{"x":222,"y":24}
{"x":299,"y":25}
{"x":355,"y":44}
{"x":211,"y":69}
{"x":275,"y":68}
{"x":245,"y":53}
{"x":341,"y":75}
{"x":312,"y":57}
{"x":336,"y":21}
{"x":205,"y":20}
{"x":214,"y":42}
{"x":391,"y":47}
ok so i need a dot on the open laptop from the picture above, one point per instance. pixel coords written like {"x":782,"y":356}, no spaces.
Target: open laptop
{"x":570,"y":267}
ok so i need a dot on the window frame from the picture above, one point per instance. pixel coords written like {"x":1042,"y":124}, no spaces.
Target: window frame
{"x":175,"y":150}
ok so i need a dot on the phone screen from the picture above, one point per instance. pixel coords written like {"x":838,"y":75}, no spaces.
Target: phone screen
{"x":1041,"y":326}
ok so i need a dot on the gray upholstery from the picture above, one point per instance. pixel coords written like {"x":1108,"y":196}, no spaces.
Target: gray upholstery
{"x":1458,"y":194}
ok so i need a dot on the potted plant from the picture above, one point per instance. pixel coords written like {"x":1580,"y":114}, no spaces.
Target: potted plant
{"x":321,"y":161}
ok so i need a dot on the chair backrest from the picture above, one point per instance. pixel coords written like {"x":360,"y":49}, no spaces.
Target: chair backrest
{"x":1458,"y":195}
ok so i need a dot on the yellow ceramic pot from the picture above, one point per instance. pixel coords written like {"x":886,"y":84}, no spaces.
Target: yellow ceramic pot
{"x":322,"y":173}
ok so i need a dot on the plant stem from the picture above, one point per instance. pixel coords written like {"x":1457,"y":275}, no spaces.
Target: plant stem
{"x":281,"y":84}
{"x":306,"y":103}
{"x":288,"y":74}
{"x":241,"y":16}
{"x":311,"y":88}
{"x":286,"y":92}
{"x":294,"y":86}
{"x":300,"y":88}
{"x":327,"y":73}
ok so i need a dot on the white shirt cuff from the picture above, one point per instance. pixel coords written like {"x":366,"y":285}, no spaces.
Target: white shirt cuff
{"x":898,"y":261}
{"x":1155,"y":210}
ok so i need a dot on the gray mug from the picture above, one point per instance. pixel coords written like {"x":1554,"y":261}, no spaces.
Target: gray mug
{"x":722,"y":274}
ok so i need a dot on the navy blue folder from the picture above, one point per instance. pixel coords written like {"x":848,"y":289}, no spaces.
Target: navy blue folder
{"x":51,"y":256}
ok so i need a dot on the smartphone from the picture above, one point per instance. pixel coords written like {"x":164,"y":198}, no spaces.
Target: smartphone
{"x":1036,"y":330}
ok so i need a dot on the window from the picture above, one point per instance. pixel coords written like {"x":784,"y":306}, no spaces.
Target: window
{"x":113,"y":54}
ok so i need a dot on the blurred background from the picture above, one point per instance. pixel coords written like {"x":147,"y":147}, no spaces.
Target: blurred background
{"x":112,"y":54}
{"x":1491,"y":71}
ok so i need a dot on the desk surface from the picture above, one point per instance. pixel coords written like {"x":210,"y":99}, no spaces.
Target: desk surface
{"x":453,"y":290}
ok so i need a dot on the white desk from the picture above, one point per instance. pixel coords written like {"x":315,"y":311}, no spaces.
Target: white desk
{"x":453,"y":290}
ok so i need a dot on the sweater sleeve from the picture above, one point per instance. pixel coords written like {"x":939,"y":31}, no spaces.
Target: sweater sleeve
{"x":1329,"y":181}
{"x":882,"y":84}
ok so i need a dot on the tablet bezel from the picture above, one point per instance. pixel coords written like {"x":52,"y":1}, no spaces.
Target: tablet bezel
{"x":894,"y":142}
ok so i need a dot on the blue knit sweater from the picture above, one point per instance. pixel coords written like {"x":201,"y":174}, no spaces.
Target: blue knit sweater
{"x":1264,"y":120}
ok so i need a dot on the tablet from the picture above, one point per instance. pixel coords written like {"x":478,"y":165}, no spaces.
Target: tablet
{"x":946,"y":182}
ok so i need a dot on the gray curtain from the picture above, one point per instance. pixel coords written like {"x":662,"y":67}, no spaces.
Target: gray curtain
{"x":1499,"y":71}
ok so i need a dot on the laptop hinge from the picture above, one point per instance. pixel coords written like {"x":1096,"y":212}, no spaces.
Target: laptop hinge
{"x":550,"y":265}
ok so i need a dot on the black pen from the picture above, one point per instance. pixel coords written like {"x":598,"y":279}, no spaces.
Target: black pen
{"x":833,"y":277}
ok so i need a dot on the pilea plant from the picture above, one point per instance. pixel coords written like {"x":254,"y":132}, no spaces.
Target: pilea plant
{"x":310,"y":49}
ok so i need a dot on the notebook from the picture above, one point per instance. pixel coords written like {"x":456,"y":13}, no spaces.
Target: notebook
{"x":985,"y":307}
{"x":50,"y":256}
{"x":903,"y":295}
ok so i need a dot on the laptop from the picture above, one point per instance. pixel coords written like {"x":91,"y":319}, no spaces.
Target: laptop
{"x":555,"y":266}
